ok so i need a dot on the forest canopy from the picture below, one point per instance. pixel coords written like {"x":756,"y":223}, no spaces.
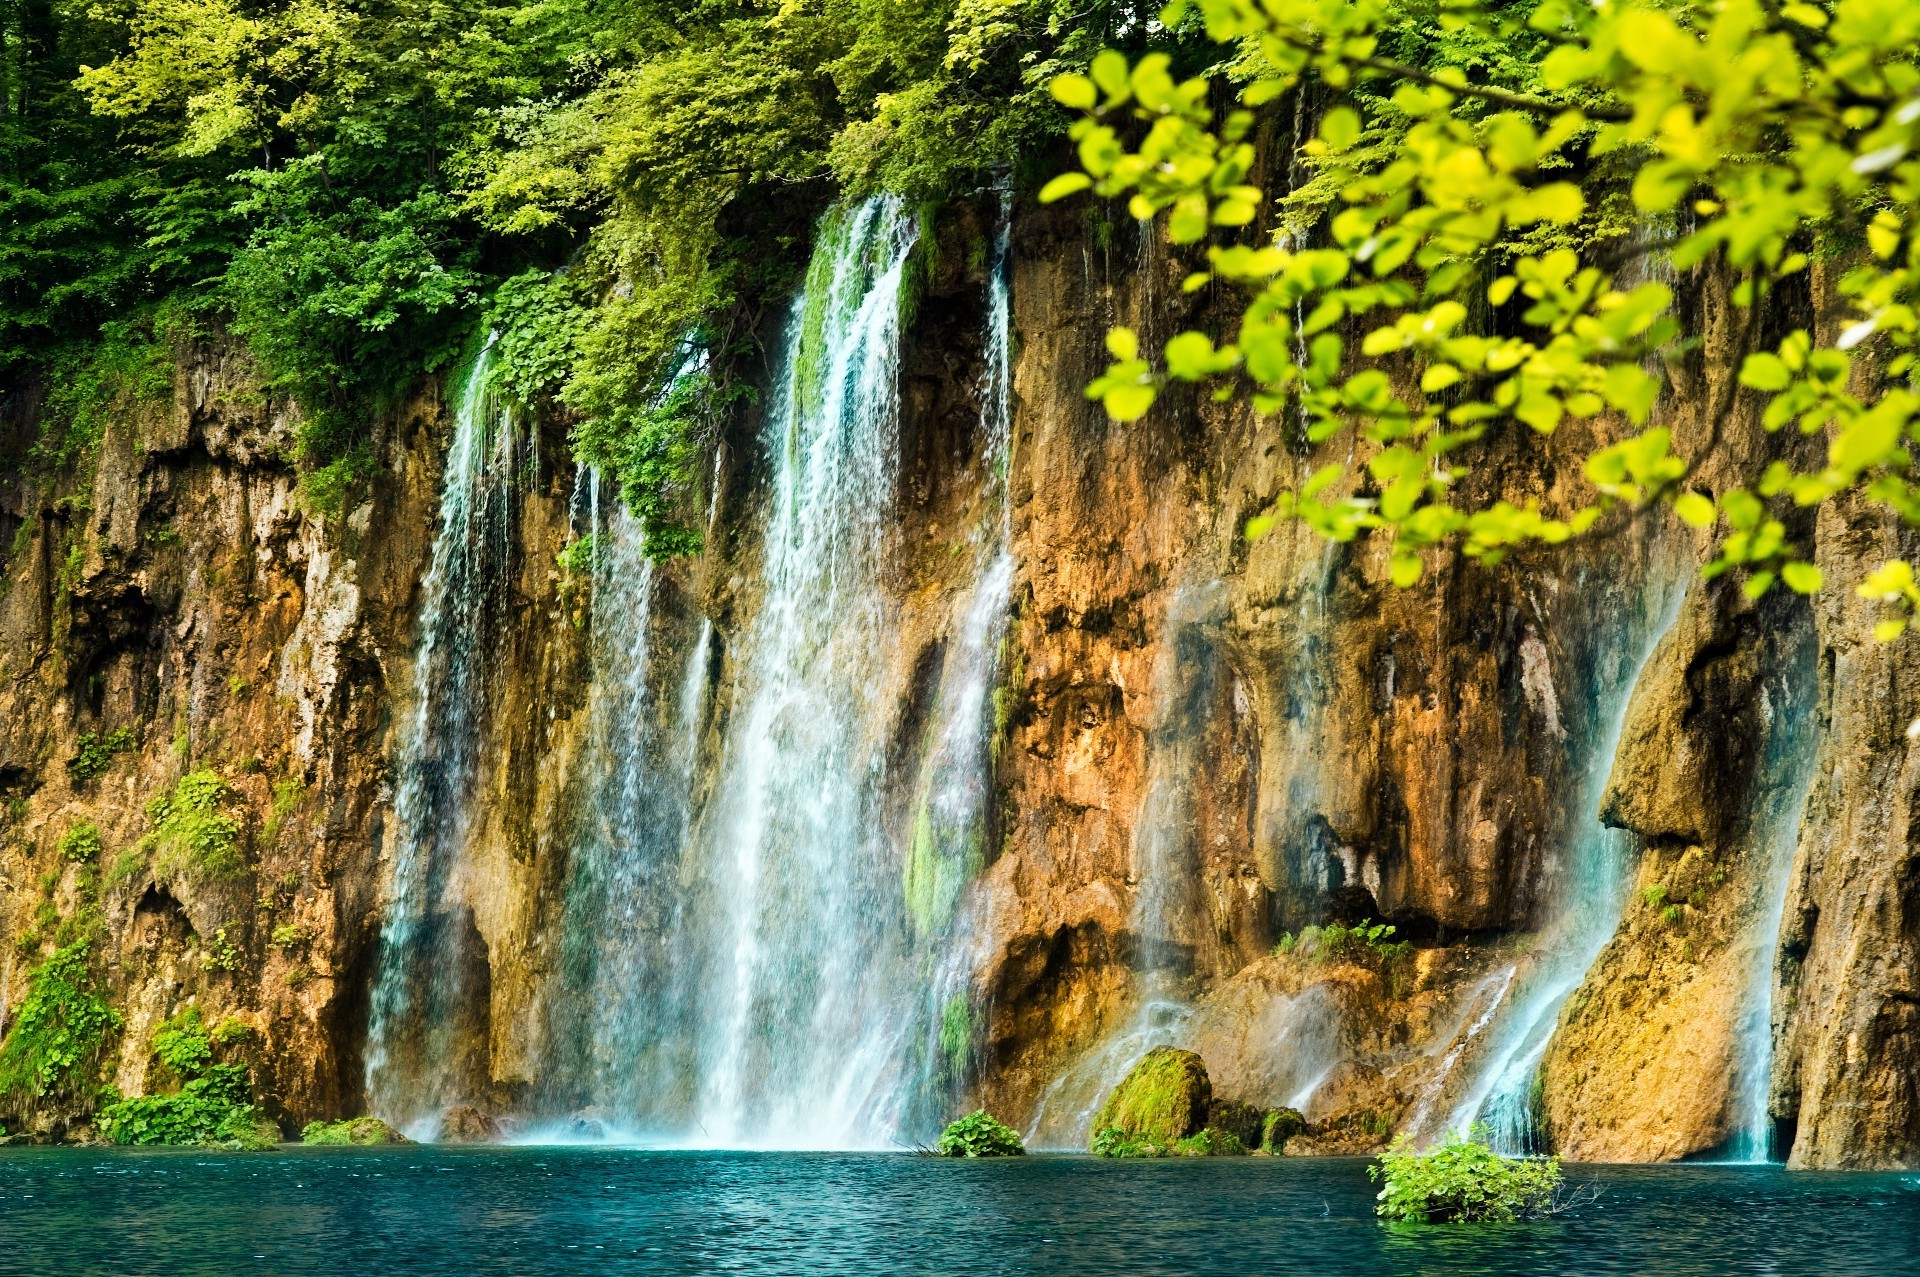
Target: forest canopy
{"x":1455,"y":247}
{"x":358,"y":187}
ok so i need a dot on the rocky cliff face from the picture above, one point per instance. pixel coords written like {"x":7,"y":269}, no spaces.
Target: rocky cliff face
{"x":1202,"y":746}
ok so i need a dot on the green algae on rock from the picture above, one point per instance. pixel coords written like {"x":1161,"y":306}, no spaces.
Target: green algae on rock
{"x":1162,"y":1100}
{"x":365,"y":1132}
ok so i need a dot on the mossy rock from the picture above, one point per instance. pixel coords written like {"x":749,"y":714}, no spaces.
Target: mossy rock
{"x":1163,"y":1099}
{"x":1244,"y":1122}
{"x":363,"y":1132}
{"x":1279,"y":1126}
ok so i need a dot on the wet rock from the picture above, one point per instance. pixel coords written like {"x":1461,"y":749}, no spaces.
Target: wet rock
{"x":360,"y":1131}
{"x":1163,"y":1099}
{"x":1242,"y":1121}
{"x":465,"y":1124}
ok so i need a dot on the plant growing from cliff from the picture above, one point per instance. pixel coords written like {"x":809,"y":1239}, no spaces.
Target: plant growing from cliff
{"x":222,"y":954}
{"x":94,"y":753}
{"x":59,"y":1036}
{"x":1455,"y":266}
{"x":82,"y":844}
{"x":1463,"y":1181}
{"x":210,"y":1108}
{"x":191,"y":833}
{"x":979,"y":1134}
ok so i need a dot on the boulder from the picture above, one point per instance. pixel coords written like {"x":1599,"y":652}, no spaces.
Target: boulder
{"x":1163,"y":1099}
{"x":465,"y":1124}
{"x":364,"y":1132}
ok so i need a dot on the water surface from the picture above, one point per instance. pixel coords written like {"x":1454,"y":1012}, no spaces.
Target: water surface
{"x":538,"y":1211}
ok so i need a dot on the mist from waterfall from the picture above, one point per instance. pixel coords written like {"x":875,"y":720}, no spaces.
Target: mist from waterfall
{"x":421,"y":991}
{"x":1588,"y":907}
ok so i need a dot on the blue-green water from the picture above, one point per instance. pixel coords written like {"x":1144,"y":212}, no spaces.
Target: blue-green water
{"x":537,"y":1211}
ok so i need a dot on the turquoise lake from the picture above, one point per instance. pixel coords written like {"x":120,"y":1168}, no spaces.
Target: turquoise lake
{"x":538,"y":1211}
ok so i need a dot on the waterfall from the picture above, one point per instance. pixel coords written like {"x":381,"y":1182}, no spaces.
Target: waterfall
{"x":1788,"y":775}
{"x":1591,"y":901}
{"x":953,"y":793}
{"x":420,"y":989}
{"x":1167,"y":917}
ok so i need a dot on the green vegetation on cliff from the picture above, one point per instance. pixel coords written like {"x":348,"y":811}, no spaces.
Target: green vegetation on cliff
{"x":354,"y":188}
{"x":211,"y":1107}
{"x":59,"y":1035}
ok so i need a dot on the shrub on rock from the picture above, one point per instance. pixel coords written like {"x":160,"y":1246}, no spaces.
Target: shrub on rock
{"x":1462,"y":1182}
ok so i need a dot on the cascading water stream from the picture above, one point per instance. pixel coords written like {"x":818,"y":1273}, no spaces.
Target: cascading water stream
{"x":1166,"y":912}
{"x":419,"y":990}
{"x":953,"y":794}
{"x":1592,"y":899}
{"x":1792,"y":746}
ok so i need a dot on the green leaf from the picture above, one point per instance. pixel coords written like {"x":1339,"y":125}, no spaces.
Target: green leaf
{"x":1128,"y":403}
{"x":1075,"y":92}
{"x":1801,"y":578}
{"x":1887,"y":631}
{"x":1064,"y":185}
{"x":1340,"y":129}
{"x":1694,"y":509}
{"x":1123,"y":343}
{"x":1404,"y":569}
{"x":1757,"y":585}
{"x":1765,"y":371}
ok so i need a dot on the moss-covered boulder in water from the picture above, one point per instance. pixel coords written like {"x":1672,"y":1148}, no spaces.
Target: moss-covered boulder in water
{"x":1162,"y":1100}
{"x":1278,"y":1126}
{"x":360,"y":1131}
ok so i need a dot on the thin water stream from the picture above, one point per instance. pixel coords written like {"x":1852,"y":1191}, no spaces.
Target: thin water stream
{"x":420,"y":991}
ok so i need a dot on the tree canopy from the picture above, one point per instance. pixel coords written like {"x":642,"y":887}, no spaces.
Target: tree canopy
{"x":1478,"y":155}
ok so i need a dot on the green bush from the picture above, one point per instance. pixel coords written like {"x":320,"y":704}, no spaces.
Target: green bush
{"x":979,"y":1134}
{"x":1462,"y":1182}
{"x":1279,"y":1126}
{"x":212,"y":1108}
{"x":1210,"y":1142}
{"x":191,"y":831}
{"x":81,"y":844}
{"x":54,"y":1047}
{"x":1112,"y":1141}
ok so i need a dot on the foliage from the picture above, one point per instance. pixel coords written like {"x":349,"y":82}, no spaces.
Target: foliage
{"x":59,"y":1035}
{"x":1462,"y":1182}
{"x":222,"y":954}
{"x":1210,"y":1141}
{"x":94,"y":753}
{"x":979,"y":1134}
{"x":1364,"y":941}
{"x":1745,"y":135}
{"x":351,"y":1132}
{"x":212,"y":1107}
{"x":1112,"y":1141}
{"x":192,"y":833}
{"x":81,"y":844}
